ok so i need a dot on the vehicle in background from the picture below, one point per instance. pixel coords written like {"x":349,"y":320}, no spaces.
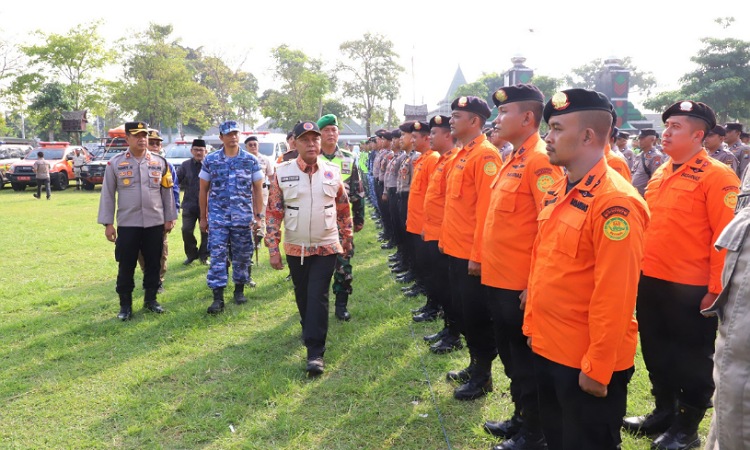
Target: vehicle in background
{"x":58,"y":154}
{"x":270,"y":144}
{"x":92,"y":173}
{"x":179,"y":151}
{"x":9,"y":154}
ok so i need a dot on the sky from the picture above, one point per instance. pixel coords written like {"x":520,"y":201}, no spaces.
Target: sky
{"x":432,"y":41}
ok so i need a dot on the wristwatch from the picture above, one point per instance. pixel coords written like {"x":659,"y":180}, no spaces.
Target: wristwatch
{"x":260,"y":216}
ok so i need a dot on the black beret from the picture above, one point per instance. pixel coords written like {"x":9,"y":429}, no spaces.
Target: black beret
{"x":473,"y":105}
{"x":734,"y":126}
{"x":251,"y":138}
{"x":136,"y":127}
{"x":744,"y":135}
{"x":574,"y":100}
{"x":648,"y":132}
{"x":199,"y":143}
{"x":718,"y":129}
{"x":395,"y":134}
{"x":440,"y":122}
{"x":406,"y":126}
{"x":517,"y":93}
{"x":419,"y":125}
{"x":380,"y":133}
{"x":306,"y":127}
{"x":387,"y":135}
{"x":614,"y":133}
{"x":623,"y":135}
{"x":689,"y":108}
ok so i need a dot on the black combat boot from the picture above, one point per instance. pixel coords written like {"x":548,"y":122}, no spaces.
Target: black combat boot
{"x":218,"y":305}
{"x":126,"y":306}
{"x":505,"y":429}
{"x":463,"y":375}
{"x":478,"y":385}
{"x":239,"y":294}
{"x":342,"y":299}
{"x":150,"y":303}
{"x":657,"y":421}
{"x":683,"y":434}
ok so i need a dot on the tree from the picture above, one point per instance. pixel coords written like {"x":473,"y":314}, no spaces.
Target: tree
{"x":12,"y":62}
{"x":477,"y":89}
{"x":370,"y":74}
{"x":73,"y":59}
{"x":585,"y":76}
{"x":304,"y":86}
{"x":48,"y":106}
{"x":548,"y":85}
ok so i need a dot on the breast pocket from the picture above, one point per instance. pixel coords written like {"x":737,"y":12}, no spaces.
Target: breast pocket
{"x":289,"y":189}
{"x":508,"y":191}
{"x":330,"y":189}
{"x":154,"y":179}
{"x":681,"y":195}
{"x":455,"y":183}
{"x":568,"y":233}
{"x":219,"y":179}
{"x":330,"y":217}
{"x":291,"y":218}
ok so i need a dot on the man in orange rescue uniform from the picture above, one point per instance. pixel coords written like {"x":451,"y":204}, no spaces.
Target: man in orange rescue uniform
{"x":509,"y":233}
{"x":692,"y":198}
{"x":583,"y":280}
{"x":466,"y":199}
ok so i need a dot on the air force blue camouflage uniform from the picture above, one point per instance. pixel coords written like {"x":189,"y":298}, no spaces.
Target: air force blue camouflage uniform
{"x":230,"y":214}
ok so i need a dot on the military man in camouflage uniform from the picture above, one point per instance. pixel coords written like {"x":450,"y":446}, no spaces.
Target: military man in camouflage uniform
{"x":740,"y":150}
{"x":647,"y":161}
{"x":714,"y":143}
{"x":231,"y":188}
{"x":352,"y":178}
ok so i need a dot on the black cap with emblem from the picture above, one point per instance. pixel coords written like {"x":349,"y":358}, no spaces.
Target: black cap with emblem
{"x":574,"y":100}
{"x":440,"y":122}
{"x":473,"y":105}
{"x":517,"y":93}
{"x":136,"y":127}
{"x":689,"y":108}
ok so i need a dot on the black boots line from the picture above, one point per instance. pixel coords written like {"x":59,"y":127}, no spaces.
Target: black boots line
{"x":149,"y":303}
{"x":675,"y":426}
{"x":218,"y":303}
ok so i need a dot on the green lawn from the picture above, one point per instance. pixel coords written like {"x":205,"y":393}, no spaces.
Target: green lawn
{"x":72,"y":376}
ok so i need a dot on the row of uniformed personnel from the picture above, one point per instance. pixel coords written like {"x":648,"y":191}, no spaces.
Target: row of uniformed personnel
{"x":531,"y":255}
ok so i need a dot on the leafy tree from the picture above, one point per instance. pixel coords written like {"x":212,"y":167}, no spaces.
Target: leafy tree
{"x":585,"y":76}
{"x":477,"y":89}
{"x":304,"y":86}
{"x":73,"y":59}
{"x":370,"y":74}
{"x":12,"y":62}
{"x":47,"y":108}
{"x":663,"y":100}
{"x":235,"y":90}
{"x":548,"y":85}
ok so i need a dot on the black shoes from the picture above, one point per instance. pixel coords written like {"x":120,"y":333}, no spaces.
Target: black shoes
{"x":126,"y":307}
{"x":524,"y":440}
{"x":387,"y":246}
{"x":505,"y":429}
{"x":446,"y":345}
{"x":463,"y":375}
{"x":437,"y":336}
{"x":428,"y":315}
{"x":342,"y":299}
{"x":683,"y":434}
{"x":188,"y":261}
{"x":239,"y":294}
{"x":407,"y":277}
{"x":315,"y":367}
{"x":36,"y":196}
{"x":654,"y":423}
{"x":414,"y":291}
{"x":478,"y":386}
{"x":218,"y":304}
{"x":150,"y":303}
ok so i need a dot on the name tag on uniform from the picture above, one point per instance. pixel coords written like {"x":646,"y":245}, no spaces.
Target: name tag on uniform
{"x":292,"y":178}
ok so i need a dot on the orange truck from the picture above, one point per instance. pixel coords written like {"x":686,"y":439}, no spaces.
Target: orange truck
{"x":57,"y":154}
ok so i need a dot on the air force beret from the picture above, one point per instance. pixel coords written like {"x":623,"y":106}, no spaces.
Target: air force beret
{"x":473,"y":105}
{"x":689,"y":108}
{"x":575,"y":100}
{"x":440,"y":122}
{"x":517,"y":93}
{"x":328,"y":119}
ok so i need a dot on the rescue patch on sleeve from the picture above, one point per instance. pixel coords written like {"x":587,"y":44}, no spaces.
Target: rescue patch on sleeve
{"x":544,"y":182}
{"x":611,"y":211}
{"x":490,"y":168}
{"x":616,"y":228}
{"x":730,"y":200}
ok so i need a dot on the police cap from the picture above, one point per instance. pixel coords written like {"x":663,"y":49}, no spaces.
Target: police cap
{"x":648,"y":132}
{"x":718,"y":129}
{"x":734,"y":126}
{"x":136,"y":127}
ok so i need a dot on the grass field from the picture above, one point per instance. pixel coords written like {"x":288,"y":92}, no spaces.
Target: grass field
{"x":72,"y":376}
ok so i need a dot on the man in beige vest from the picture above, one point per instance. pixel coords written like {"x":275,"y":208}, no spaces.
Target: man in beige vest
{"x":308,"y":196}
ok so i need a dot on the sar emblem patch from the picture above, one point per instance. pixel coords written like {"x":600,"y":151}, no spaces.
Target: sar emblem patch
{"x":730,"y":200}
{"x":616,"y":228}
{"x":501,"y":96}
{"x":490,"y":168}
{"x":328,"y":175}
{"x":545,"y":182}
{"x":560,"y":101}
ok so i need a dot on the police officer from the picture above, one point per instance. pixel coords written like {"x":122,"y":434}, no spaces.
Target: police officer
{"x":309,"y":197}
{"x":190,"y":182}
{"x":231,"y":196}
{"x":386,"y":154}
{"x":466,"y":201}
{"x":579,"y":321}
{"x":647,"y":161}
{"x":391,"y":199}
{"x":145,"y":209}
{"x":79,"y":159}
{"x":404,"y":174}
{"x":691,"y":198}
{"x":740,"y":150}
{"x":352,"y":178}
{"x":714,"y":143}
{"x":509,"y":233}
{"x":615,"y":159}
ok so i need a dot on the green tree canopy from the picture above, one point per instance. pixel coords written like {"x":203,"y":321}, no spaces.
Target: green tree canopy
{"x":585,"y":76}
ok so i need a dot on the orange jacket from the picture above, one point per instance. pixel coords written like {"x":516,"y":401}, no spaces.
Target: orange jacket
{"x":434,"y":198}
{"x":511,"y":226}
{"x":423,"y":168}
{"x":467,"y":197}
{"x":617,"y":163}
{"x":584,"y":276}
{"x":690,"y":206}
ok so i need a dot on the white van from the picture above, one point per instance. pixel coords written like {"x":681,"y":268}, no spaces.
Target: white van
{"x":270,"y":144}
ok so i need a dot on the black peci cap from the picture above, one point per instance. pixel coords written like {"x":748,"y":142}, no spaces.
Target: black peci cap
{"x":198,"y":143}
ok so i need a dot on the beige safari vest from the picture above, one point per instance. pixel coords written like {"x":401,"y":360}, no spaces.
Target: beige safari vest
{"x":309,"y":203}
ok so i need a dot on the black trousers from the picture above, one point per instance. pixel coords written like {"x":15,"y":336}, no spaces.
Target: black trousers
{"x":394,"y":214}
{"x":515,"y":354}
{"x":407,"y":243}
{"x":131,"y":241}
{"x":468,"y":291}
{"x":312,"y":279}
{"x":418,"y":253}
{"x":192,"y":250}
{"x":385,"y":212}
{"x":437,"y":283}
{"x":574,"y":420}
{"x":677,"y":341}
